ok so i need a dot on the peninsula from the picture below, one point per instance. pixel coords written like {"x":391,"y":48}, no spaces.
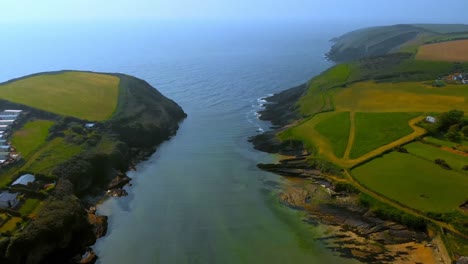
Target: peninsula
{"x":68,"y":137}
{"x":379,"y":144}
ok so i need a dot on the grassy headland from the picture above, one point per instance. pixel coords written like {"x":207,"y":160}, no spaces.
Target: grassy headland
{"x":363,"y":115}
{"x":70,"y":160}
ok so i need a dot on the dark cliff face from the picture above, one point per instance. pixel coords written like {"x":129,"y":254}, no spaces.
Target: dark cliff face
{"x":281,"y":108}
{"x":144,"y":118}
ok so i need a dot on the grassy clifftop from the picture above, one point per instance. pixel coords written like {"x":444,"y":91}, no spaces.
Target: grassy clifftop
{"x":84,"y":95}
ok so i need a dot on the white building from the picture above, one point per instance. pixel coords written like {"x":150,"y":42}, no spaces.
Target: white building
{"x":8,"y":200}
{"x":431,"y":119}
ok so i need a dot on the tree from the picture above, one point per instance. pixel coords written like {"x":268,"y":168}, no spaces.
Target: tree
{"x":454,"y":128}
{"x":449,"y":118}
{"x":453,"y":136}
{"x":464,"y":130}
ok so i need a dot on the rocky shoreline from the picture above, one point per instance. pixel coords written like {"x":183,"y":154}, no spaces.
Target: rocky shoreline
{"x":355,"y":231}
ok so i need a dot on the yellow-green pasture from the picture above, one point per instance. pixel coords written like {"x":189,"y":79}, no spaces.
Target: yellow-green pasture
{"x":400,"y":97}
{"x":327,"y":132}
{"x":84,"y":95}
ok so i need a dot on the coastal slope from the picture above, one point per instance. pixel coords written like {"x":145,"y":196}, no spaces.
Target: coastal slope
{"x":357,"y":135}
{"x":77,"y":146}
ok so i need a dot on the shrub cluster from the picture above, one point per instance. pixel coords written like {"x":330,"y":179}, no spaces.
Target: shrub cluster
{"x":442,"y":163}
{"x":387,"y":212}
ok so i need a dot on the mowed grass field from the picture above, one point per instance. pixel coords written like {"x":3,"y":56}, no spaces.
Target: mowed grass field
{"x":84,"y":95}
{"x":373,"y":130}
{"x":31,"y":136}
{"x":400,"y":97}
{"x":445,"y":51}
{"x":431,"y":153}
{"x":414,"y":181}
{"x":326,"y":132}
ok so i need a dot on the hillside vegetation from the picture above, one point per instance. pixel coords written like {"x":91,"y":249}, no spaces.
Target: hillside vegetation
{"x":84,"y":95}
{"x":376,"y":41}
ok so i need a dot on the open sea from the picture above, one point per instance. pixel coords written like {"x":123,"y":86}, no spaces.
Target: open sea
{"x":200,"y":198}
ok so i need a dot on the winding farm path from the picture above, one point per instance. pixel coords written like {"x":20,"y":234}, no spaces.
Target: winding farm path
{"x":417,"y":132}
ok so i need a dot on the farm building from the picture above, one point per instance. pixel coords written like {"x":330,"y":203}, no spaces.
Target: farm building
{"x":7,"y":122}
{"x":4,"y":147}
{"x":4,"y":127}
{"x":16,"y":111}
{"x":431,"y":119}
{"x":24,"y":180}
{"x":14,"y":115}
{"x":4,"y":155}
{"x":7,"y":117}
{"x":89,"y":125}
{"x":8,"y":200}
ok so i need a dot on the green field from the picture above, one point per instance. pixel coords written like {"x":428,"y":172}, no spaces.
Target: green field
{"x":414,"y":181}
{"x":325,"y":133}
{"x":440,"y":142}
{"x":431,"y":153}
{"x":83,"y":95}
{"x":336,"y":130}
{"x":31,"y":137}
{"x":317,"y":99}
{"x":374,"y":130}
{"x":55,"y":152}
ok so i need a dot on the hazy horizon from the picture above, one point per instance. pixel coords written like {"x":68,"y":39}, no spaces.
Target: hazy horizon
{"x":331,"y":11}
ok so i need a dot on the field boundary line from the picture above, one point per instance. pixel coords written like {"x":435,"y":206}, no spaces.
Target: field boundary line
{"x":352,"y":134}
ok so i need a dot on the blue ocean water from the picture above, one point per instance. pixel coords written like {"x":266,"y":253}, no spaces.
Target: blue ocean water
{"x":200,"y":197}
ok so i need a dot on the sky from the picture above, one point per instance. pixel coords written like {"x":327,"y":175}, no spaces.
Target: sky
{"x":391,"y":11}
